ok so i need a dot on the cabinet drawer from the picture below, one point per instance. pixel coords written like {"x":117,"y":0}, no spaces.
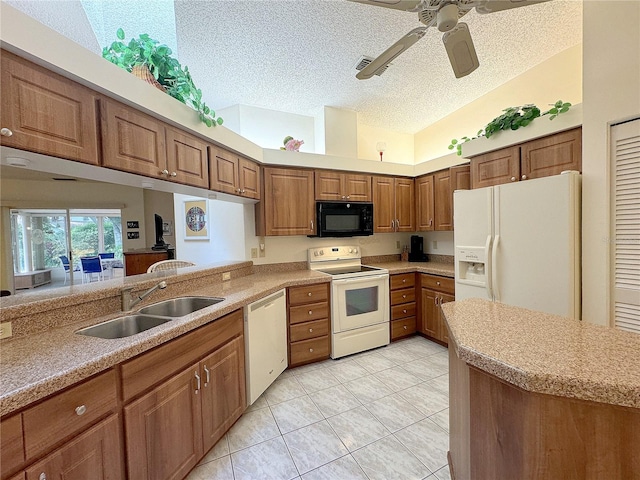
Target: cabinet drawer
{"x":309,"y":350}
{"x":402,"y":311}
{"x":308,"y":294}
{"x":405,"y":295}
{"x":11,"y":451}
{"x":304,"y":331}
{"x":69,"y":412}
{"x":404,"y":327}
{"x":305,"y":313}
{"x":441,"y":284}
{"x":402,"y":280}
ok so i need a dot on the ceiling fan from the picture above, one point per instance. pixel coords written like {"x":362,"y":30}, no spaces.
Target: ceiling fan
{"x":444,"y":14}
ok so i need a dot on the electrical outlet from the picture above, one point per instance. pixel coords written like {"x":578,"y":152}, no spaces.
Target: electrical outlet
{"x":5,"y":330}
{"x":226,"y":276}
{"x":254,"y":253}
{"x":398,"y":244}
{"x":434,"y":244}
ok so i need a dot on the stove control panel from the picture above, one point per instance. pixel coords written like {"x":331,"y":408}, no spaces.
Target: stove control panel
{"x":317,"y":254}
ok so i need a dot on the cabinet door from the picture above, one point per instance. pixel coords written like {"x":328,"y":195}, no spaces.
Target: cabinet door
{"x":328,"y":185}
{"x":131,"y":141}
{"x":187,"y":160}
{"x":11,"y":444}
{"x":249,"y":178}
{"x":383,"y":205}
{"x":443,"y":200}
{"x":552,"y":155}
{"x":460,"y":178}
{"x":429,"y":320}
{"x":47,"y":113}
{"x":223,"y":390}
{"x":495,"y":168}
{"x":163,"y":430}
{"x":289,"y":205}
{"x":443,"y":333}
{"x":96,"y":454}
{"x":405,"y":205}
{"x":223,"y":171}
{"x":356,"y":188}
{"x":424,"y":203}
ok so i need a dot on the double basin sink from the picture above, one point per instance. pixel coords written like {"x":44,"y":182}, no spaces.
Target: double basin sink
{"x":149,"y":317}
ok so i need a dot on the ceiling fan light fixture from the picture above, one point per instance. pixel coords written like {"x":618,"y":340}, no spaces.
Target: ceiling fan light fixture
{"x":447,"y":17}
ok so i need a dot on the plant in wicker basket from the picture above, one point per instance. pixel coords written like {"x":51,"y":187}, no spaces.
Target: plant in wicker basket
{"x":151,"y":61}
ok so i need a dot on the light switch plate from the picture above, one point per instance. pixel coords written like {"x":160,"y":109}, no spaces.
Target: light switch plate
{"x":5,"y":330}
{"x":254,"y":253}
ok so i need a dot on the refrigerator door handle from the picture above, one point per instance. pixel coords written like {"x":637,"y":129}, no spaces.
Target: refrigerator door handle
{"x":494,"y":268}
{"x":488,"y":282}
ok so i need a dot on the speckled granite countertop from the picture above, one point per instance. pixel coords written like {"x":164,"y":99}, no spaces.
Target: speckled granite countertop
{"x":434,"y":268}
{"x":40,"y":364}
{"x":546,"y":353}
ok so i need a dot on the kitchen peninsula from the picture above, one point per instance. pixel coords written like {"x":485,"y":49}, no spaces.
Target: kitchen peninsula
{"x":540,"y":396}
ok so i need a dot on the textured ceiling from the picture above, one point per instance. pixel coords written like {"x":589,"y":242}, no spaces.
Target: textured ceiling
{"x":300,"y":55}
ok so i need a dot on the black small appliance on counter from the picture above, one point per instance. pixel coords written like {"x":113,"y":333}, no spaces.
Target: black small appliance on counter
{"x":416,"y":254}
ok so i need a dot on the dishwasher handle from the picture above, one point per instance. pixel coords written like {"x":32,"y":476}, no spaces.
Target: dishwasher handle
{"x":368,"y":278}
{"x":267,"y":301}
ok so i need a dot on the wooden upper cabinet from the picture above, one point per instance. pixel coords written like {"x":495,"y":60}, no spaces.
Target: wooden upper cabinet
{"x":405,"y":205}
{"x":338,"y":186}
{"x":187,"y":158}
{"x":495,"y":168}
{"x":443,"y":200}
{"x":460,"y":178}
{"x":47,"y":113}
{"x":383,"y":204}
{"x":551,"y":155}
{"x":288,"y":206}
{"x":132,"y":141}
{"x":232,"y":174}
{"x":424,"y":203}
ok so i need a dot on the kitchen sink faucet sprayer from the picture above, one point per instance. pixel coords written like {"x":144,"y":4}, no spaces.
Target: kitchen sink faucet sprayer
{"x":128,"y":303}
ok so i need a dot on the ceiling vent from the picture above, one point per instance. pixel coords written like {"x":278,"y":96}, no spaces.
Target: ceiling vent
{"x":364,"y":61}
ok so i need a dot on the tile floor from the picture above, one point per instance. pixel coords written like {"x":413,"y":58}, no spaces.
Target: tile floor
{"x":381,"y":414}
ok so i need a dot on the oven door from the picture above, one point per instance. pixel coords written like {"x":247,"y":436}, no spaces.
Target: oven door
{"x":359,"y":302}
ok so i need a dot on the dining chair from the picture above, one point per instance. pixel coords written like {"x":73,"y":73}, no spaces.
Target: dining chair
{"x":91,"y":266}
{"x":169,"y":265}
{"x":67,"y":268}
{"x":107,"y":265}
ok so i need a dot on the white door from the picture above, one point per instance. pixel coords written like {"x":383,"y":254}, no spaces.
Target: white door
{"x":359,"y":302}
{"x":536,"y":249}
{"x":473,"y":229}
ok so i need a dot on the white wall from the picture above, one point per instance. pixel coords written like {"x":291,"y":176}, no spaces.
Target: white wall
{"x":400,"y":147}
{"x":162,"y":204}
{"x":611,"y":83}
{"x":226,"y":235}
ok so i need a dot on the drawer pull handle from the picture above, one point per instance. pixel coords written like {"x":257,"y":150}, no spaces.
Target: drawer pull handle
{"x":404,"y":296}
{"x":81,"y":410}
{"x":311,"y":350}
{"x":310,"y":312}
{"x":437,"y":283}
{"x":311,"y":330}
{"x":405,"y":327}
{"x":404,"y":280}
{"x":309,"y":294}
{"x":206,"y":370}
{"x":197,"y":382}
{"x":404,"y":311}
{"x":43,"y":476}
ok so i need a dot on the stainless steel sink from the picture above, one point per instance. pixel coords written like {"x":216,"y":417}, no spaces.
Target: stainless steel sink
{"x":179,"y":307}
{"x":123,"y":326}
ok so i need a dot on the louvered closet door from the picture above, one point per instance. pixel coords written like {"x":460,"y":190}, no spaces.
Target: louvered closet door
{"x":625,"y":154}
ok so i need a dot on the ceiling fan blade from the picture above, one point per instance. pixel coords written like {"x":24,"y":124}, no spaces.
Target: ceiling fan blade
{"x":391,"y":53}
{"x":490,"y":6}
{"x":462,"y":53}
{"x":405,"y":5}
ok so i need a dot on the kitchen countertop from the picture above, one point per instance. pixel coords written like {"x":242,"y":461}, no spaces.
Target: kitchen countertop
{"x":545,"y":353}
{"x":37,"y":365}
{"x":434,"y":268}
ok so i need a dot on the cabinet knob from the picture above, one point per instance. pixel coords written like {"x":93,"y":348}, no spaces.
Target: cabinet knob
{"x":437,"y":283}
{"x":404,"y":280}
{"x":311,"y":350}
{"x":309,"y":294}
{"x":343,"y":197}
{"x":5,"y":132}
{"x":239,"y":190}
{"x":524,"y":177}
{"x":81,"y":410}
{"x":348,"y":197}
{"x":43,"y":476}
{"x":404,"y":311}
{"x":404,"y":296}
{"x":405,"y":327}
{"x":174,"y":174}
{"x":311,"y":330}
{"x":513,"y":179}
{"x":310,"y":312}
{"x":242,"y":191}
{"x":164,"y":172}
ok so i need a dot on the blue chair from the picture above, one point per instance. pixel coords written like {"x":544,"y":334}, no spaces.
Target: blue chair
{"x":67,"y":269}
{"x":91,"y":266}
{"x":107,"y":255}
{"x":108,"y":265}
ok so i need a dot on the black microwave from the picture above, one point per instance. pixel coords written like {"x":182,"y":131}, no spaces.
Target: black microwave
{"x":343,"y":219}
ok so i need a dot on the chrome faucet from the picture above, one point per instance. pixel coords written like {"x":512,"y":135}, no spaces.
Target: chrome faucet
{"x":128,"y":303}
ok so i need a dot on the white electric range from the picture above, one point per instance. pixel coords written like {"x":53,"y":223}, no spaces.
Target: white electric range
{"x":359,"y":299}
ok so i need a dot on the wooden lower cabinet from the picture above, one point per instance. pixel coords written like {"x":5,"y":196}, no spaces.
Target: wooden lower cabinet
{"x":433,"y":295}
{"x":309,"y":324}
{"x":403,"y":305}
{"x":95,"y":454}
{"x":137,"y":262}
{"x":11,"y":444}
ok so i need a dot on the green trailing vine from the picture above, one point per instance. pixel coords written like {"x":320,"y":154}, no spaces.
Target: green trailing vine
{"x":171,"y":77}
{"x":512,"y":119}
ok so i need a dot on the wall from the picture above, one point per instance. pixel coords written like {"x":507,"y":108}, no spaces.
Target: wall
{"x":162,"y":204}
{"x":611,"y":84}
{"x":558,"y":78}
{"x":400,"y":148}
{"x":226,"y":235}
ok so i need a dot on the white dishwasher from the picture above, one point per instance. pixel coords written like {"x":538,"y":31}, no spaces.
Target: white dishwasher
{"x":265,"y":333}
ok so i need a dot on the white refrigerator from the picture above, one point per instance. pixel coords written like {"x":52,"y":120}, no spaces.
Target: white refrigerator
{"x":519,"y":244}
